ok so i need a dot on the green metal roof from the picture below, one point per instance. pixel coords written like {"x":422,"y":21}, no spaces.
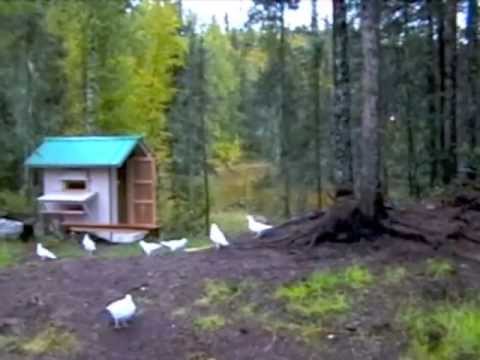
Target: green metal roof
{"x":83,"y":151}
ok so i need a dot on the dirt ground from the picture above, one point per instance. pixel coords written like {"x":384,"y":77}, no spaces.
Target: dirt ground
{"x":70,"y":294}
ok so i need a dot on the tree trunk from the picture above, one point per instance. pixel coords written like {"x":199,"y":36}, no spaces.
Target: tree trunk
{"x":91,"y":86}
{"x":369,"y":182}
{"x":315,"y":81}
{"x":472,"y":79}
{"x":284,"y":123}
{"x":440,"y":7}
{"x":407,"y":84}
{"x":203,"y":131}
{"x":431,"y":96}
{"x":451,"y":90}
{"x":341,"y":137}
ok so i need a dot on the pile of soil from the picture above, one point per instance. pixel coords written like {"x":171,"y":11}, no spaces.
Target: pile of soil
{"x":71,"y":294}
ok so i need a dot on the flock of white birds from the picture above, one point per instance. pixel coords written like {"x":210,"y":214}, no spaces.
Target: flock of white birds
{"x":123,"y":310}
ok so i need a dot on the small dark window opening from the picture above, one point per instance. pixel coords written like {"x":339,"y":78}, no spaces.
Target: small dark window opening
{"x":75,"y":185}
{"x":73,"y":207}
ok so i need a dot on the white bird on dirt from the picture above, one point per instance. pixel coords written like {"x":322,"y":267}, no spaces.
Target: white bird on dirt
{"x":217,"y":236}
{"x":149,"y":247}
{"x":88,"y":244}
{"x":256,"y":226}
{"x":122,"y":311}
{"x":44,"y":253}
{"x":175,"y":245}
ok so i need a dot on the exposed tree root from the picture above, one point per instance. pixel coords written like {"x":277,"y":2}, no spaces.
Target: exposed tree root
{"x":344,"y":223}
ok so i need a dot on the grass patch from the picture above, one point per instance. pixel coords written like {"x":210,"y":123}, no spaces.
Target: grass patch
{"x":198,"y":241}
{"x":324,"y":293}
{"x":10,"y":252}
{"x":71,"y":249}
{"x":231,"y":222}
{"x":448,"y":332}
{"x":110,"y":251}
{"x":210,"y":322}
{"x":439,"y":268}
{"x":395,"y":274}
{"x":51,"y":340}
{"x":217,"y":292}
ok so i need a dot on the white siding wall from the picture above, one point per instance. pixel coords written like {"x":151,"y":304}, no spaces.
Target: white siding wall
{"x":99,"y":181}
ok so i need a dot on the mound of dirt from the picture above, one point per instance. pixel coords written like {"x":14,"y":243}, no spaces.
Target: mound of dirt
{"x":438,"y":223}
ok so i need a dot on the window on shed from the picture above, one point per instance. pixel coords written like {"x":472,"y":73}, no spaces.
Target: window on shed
{"x":74,"y":184}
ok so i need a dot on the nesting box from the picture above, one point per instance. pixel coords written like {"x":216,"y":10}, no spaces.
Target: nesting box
{"x":99,"y":182}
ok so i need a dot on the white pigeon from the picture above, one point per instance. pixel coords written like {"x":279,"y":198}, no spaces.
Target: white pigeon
{"x":217,"y":236}
{"x":149,"y":247}
{"x":256,"y":226}
{"x":175,"y":245}
{"x":122,"y":310}
{"x":44,"y":253}
{"x":88,"y":244}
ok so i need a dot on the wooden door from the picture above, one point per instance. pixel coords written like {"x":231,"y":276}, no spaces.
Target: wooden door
{"x":141,"y":192}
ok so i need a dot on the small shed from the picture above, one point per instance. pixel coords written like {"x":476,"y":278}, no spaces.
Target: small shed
{"x":100,"y":183}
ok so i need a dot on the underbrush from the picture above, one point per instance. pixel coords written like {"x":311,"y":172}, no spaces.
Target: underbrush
{"x":446,"y":332}
{"x":15,"y":202}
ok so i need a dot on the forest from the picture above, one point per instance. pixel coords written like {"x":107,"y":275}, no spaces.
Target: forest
{"x":314,"y":187}
{"x":264,"y":117}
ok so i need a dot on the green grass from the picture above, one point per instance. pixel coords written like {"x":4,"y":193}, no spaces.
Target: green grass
{"x":198,"y":241}
{"x":50,"y":340}
{"x":119,"y":251}
{"x":11,"y":252}
{"x":395,"y":274}
{"x":217,"y":292}
{"x":210,"y":322}
{"x":439,"y":268}
{"x":231,"y":222}
{"x":448,"y":332}
{"x":324,"y":293}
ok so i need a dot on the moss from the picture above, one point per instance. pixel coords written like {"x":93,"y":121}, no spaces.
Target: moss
{"x":210,"y":322}
{"x":50,"y":340}
{"x":439,"y":268}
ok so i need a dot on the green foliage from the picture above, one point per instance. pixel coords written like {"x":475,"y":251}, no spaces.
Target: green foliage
{"x":210,"y":322}
{"x":15,"y":202}
{"x":50,"y":340}
{"x":448,"y":332}
{"x":439,"y":268}
{"x":324,"y":293}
